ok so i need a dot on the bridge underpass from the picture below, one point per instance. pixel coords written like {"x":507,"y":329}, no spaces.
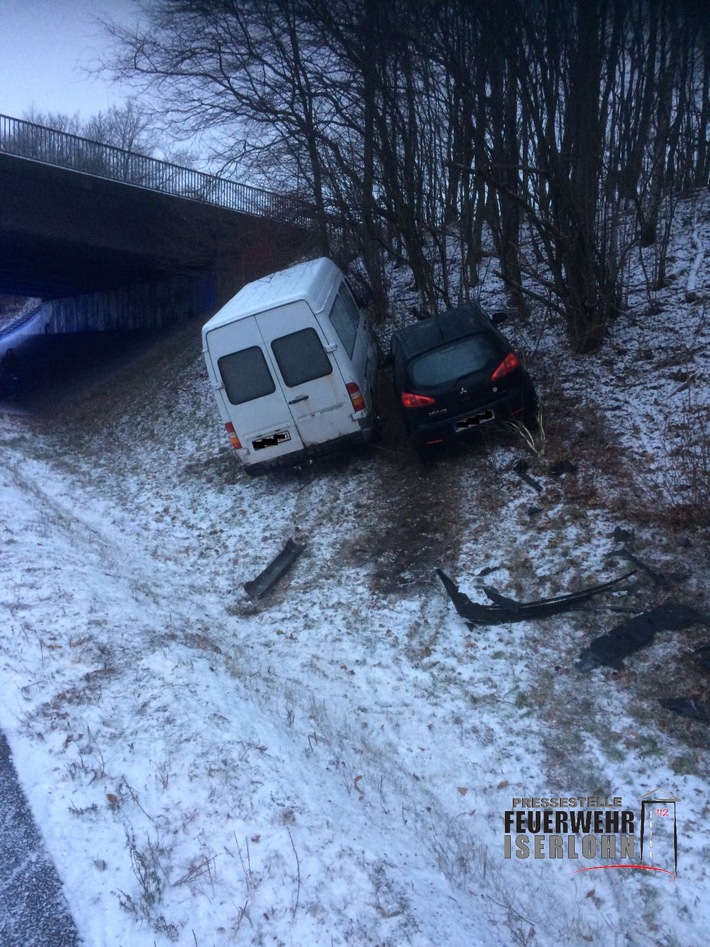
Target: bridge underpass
{"x":68,"y":233}
{"x":156,"y":246}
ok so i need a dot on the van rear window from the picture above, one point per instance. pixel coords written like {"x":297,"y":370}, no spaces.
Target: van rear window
{"x":301,"y":357}
{"x":246,"y":375}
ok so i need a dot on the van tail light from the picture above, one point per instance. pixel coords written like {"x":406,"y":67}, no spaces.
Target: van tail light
{"x":416,"y":401}
{"x":355,"y":396}
{"x":508,"y":365}
{"x":233,"y":435}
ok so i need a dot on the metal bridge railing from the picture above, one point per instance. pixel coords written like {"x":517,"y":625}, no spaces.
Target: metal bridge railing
{"x":27,"y":140}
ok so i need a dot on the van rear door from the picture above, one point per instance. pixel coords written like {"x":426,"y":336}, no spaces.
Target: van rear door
{"x":251,"y":392}
{"x":314,"y":387}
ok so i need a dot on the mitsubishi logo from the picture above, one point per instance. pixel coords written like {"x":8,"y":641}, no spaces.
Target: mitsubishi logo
{"x":463,"y":391}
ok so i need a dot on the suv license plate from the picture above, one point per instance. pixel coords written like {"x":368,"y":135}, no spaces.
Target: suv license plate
{"x":273,"y":440}
{"x":474,"y":420}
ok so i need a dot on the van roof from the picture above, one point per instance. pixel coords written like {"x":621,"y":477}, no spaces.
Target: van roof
{"x":311,"y":281}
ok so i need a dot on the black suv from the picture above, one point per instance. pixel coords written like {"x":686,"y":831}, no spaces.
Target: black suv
{"x":456,"y":372}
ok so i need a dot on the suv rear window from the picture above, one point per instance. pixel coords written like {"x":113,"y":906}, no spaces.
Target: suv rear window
{"x":301,"y":357}
{"x":449,"y":362}
{"x":246,"y":375}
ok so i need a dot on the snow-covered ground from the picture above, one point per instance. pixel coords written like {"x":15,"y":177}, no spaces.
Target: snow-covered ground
{"x":331,"y":765}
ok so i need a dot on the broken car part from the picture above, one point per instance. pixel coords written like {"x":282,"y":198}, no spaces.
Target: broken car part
{"x":507,"y":609}
{"x":521,"y":467}
{"x":690,"y":707}
{"x":636,"y":633}
{"x":274,"y":571}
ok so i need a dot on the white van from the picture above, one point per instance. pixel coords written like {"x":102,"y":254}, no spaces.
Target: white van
{"x":292,"y":363}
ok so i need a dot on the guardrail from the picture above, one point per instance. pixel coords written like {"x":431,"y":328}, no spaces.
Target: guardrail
{"x":26,"y":140}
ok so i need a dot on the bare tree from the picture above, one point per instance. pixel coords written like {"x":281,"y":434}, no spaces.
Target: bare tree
{"x":60,"y":121}
{"x":128,"y":126}
{"x":406,"y":124}
{"x":127,"y":130}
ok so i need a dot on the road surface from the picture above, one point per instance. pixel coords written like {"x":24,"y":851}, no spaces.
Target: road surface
{"x":33,"y":910}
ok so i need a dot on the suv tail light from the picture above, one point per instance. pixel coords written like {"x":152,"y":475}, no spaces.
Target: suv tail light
{"x":416,"y":401}
{"x":355,"y":396}
{"x":508,"y":365}
{"x":236,"y":444}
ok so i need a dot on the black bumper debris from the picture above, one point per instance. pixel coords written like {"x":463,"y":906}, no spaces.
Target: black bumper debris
{"x":506,"y":609}
{"x":636,"y":633}
{"x":274,"y":571}
{"x":690,"y":707}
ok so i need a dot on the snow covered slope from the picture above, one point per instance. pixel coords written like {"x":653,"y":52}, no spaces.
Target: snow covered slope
{"x":331,"y":764}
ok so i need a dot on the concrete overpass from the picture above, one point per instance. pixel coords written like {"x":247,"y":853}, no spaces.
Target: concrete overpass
{"x":84,"y":221}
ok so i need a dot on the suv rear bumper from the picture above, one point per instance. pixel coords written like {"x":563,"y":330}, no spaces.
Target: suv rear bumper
{"x":518,"y":404}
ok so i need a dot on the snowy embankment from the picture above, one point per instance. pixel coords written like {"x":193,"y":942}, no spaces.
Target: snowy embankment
{"x":331,"y":765}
